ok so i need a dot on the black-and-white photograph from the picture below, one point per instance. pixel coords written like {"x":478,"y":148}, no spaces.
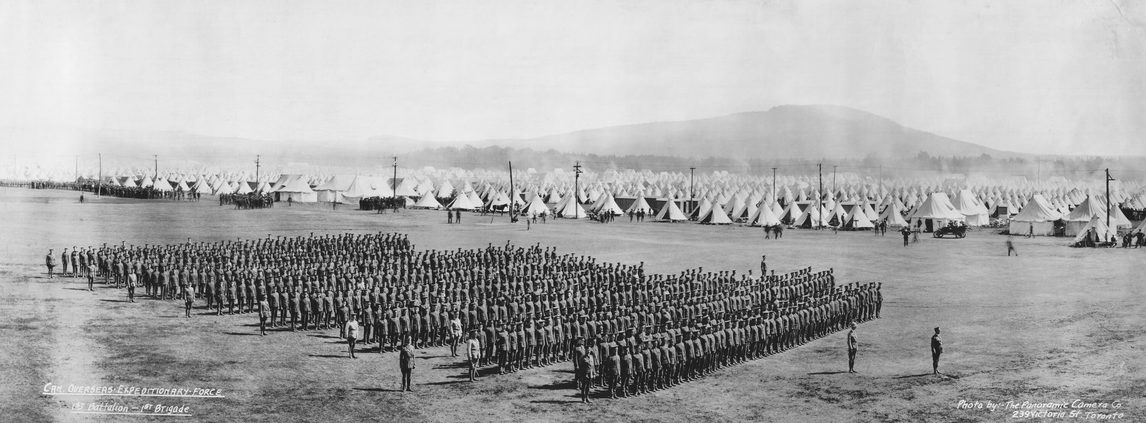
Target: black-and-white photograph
{"x":535,"y":210}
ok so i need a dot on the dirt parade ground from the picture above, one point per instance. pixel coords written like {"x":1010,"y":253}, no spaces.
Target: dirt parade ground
{"x":1053,"y":330}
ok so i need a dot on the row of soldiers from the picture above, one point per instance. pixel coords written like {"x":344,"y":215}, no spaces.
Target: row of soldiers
{"x":528,"y":305}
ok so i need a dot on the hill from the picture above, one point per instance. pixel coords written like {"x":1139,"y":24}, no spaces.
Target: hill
{"x":785,"y":132}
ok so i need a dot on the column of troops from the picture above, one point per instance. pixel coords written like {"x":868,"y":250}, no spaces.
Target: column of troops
{"x":528,"y":306}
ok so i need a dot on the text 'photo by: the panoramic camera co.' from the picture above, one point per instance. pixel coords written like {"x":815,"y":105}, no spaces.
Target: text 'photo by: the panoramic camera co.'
{"x":511,"y":210}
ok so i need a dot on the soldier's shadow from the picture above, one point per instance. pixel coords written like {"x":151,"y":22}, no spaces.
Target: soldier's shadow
{"x":563,"y":385}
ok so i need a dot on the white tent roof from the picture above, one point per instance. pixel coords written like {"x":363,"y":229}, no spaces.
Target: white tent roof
{"x":1037,"y":210}
{"x":670,"y":212}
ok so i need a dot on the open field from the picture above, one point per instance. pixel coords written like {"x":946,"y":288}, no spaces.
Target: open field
{"x":1055,"y":324}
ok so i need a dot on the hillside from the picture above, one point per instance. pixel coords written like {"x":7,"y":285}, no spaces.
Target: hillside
{"x":788,"y":132}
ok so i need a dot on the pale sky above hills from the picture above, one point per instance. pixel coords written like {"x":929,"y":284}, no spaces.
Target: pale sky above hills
{"x":1037,"y":76}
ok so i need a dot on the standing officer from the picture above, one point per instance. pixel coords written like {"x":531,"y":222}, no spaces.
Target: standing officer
{"x":473,"y":353}
{"x":936,"y":350}
{"x":351,"y":333}
{"x":406,"y":363}
{"x":50,"y":262}
{"x":853,"y":346}
{"x":264,"y":312}
{"x":132,"y":280}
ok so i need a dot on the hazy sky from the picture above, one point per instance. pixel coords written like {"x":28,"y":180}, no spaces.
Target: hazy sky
{"x":1033,"y":76}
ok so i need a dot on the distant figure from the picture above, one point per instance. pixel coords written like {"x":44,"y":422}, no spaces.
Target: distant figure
{"x":1031,"y":231}
{"x":406,"y":363}
{"x":189,"y":299}
{"x":449,"y":217}
{"x":906,"y":235}
{"x":918,"y":227}
{"x":81,"y":198}
{"x":853,"y":347}
{"x":50,"y":261}
{"x":90,"y":273}
{"x":290,"y":201}
{"x":763,"y":265}
{"x":1011,"y":247}
{"x":767,"y":231}
{"x":936,"y":350}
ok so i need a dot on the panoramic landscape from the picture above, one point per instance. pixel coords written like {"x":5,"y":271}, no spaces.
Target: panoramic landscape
{"x":647,"y":211}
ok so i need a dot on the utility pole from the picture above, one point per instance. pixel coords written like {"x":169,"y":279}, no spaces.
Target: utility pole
{"x":257,"y":157}
{"x":156,"y":156}
{"x":820,"y":199}
{"x":99,"y":183}
{"x":773,"y":187}
{"x":576,"y":188}
{"x":879,"y":195}
{"x":1108,"y":179}
{"x":691,"y":175}
{"x":512,"y":218}
{"x":394,"y":184}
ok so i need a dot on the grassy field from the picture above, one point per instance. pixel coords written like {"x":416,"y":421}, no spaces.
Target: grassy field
{"x":1055,"y":324}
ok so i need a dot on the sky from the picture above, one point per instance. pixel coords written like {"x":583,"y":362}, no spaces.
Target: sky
{"x":1040,"y":76}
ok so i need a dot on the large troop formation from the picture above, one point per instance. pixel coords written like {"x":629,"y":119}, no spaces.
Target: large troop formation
{"x":624,"y":330}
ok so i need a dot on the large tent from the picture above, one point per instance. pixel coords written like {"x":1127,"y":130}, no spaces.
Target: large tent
{"x":331,"y":190}
{"x":935,"y":212}
{"x":976,"y":213}
{"x":670,"y":212}
{"x":1037,"y":218}
{"x":293,"y":188}
{"x":428,"y":202}
{"x":716,"y":216}
{"x":1096,"y":229}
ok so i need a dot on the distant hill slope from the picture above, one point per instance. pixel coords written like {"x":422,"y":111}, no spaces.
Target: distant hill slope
{"x":799,"y":132}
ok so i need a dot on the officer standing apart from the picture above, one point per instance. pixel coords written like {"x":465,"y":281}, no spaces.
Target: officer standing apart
{"x":936,"y":350}
{"x":352,"y":333}
{"x":473,"y":354}
{"x":853,"y":346}
{"x":50,"y":262}
{"x":406,"y":362}
{"x":585,"y":370}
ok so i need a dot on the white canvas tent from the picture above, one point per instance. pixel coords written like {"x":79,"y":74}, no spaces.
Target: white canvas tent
{"x":670,"y":212}
{"x":1037,"y":217}
{"x":935,"y":212}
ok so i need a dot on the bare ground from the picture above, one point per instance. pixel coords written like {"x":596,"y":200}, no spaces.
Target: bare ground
{"x":1055,"y":324}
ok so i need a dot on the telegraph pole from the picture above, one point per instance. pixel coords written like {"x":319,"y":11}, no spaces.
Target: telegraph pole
{"x":394,"y":185}
{"x":99,"y":183}
{"x":1108,"y":179}
{"x":691,"y":174}
{"x":512,"y":218}
{"x":773,"y":187}
{"x":820,"y":198}
{"x":257,"y":157}
{"x":576,"y":188}
{"x":156,"y":156}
